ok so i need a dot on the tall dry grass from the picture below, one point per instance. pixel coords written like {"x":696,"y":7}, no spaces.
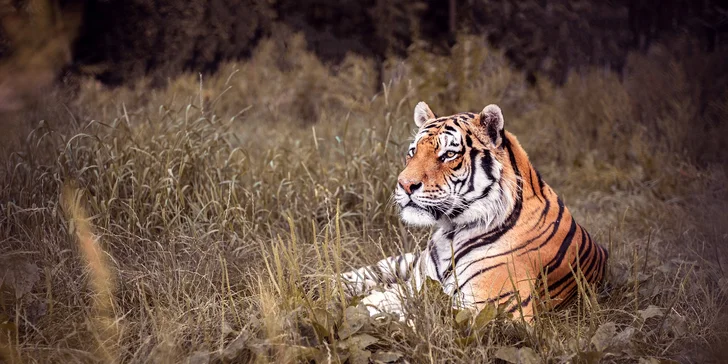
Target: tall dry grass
{"x":224,"y":204}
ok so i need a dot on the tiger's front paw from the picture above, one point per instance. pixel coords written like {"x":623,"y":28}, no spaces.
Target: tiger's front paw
{"x":386,"y":302}
{"x":356,"y":283}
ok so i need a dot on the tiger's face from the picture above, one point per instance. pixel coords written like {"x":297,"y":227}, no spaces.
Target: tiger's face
{"x":454,"y":169}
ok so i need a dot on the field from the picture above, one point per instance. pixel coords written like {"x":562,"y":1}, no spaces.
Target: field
{"x":201,"y":222}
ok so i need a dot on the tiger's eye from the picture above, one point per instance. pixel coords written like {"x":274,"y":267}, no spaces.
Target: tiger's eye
{"x":450,"y":154}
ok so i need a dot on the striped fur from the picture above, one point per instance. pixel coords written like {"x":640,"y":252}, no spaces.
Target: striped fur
{"x":504,"y":235}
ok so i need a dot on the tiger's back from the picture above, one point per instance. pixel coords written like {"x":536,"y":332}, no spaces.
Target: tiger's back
{"x":533,"y":255}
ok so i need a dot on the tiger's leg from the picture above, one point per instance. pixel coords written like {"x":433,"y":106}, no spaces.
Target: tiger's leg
{"x":387,"y":301}
{"x":386,"y":271}
{"x":524,"y":303}
{"x":518,"y":297}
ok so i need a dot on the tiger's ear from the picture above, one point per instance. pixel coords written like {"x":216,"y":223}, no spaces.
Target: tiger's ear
{"x":491,"y":120}
{"x":423,"y":113}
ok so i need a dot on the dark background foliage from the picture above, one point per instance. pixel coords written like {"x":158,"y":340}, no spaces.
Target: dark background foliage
{"x":122,"y":40}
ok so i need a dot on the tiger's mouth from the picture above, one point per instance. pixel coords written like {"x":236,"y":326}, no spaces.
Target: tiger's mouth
{"x":418,"y":215}
{"x":413,"y":204}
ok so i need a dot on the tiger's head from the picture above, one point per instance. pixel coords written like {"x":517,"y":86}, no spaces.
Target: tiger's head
{"x":456,"y":170}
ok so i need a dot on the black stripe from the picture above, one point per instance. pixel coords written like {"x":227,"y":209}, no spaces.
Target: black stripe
{"x":487,"y":165}
{"x":431,"y":126}
{"x":460,"y":164}
{"x":510,"y":221}
{"x":568,"y":277}
{"x":557,"y":224}
{"x":584,"y":252}
{"x":565,"y":244}
{"x":582,"y":259}
{"x":524,"y":303}
{"x":556,"y":262}
{"x":435,"y":212}
{"x":593,"y":263}
{"x":478,"y":138}
{"x":491,"y":300}
{"x":540,"y":180}
{"x":492,"y":133}
{"x":592,"y":273}
{"x":471,"y":183}
{"x":544,"y":212}
{"x":522,"y":246}
{"x":435,"y":259}
{"x":479,"y":272}
{"x":530,"y":183}
{"x":570,"y":286}
{"x":567,"y":300}
{"x":601,"y":268}
{"x":450,"y":234}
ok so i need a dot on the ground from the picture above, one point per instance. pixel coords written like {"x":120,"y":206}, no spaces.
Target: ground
{"x":201,"y":222}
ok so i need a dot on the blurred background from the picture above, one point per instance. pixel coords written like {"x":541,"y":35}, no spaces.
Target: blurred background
{"x":118,"y":42}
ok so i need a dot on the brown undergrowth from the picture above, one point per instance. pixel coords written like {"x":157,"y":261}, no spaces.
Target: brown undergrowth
{"x":218,"y":208}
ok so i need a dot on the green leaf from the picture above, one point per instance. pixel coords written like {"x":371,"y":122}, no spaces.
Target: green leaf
{"x":321,"y":330}
{"x":359,"y":356}
{"x":677,"y":324}
{"x":604,"y":335}
{"x":386,"y":356}
{"x":485,"y":316}
{"x":431,"y":283}
{"x":649,"y":361}
{"x":18,"y":276}
{"x":227,"y":329}
{"x":236,"y":347}
{"x":623,"y":338}
{"x":503,"y":307}
{"x":465,"y":341}
{"x":323,"y":323}
{"x":524,"y":355}
{"x":199,"y":357}
{"x":356,"y":300}
{"x":650,"y":311}
{"x":589,"y":357}
{"x":354,"y":320}
{"x":361,"y":341}
{"x":330,"y":356}
{"x":304,"y":353}
{"x":463,"y":316}
{"x":323,"y":317}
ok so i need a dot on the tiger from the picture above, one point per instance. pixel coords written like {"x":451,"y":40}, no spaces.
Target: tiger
{"x":503,"y":236}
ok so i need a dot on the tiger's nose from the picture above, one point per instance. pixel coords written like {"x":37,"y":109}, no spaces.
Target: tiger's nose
{"x":409,"y":185}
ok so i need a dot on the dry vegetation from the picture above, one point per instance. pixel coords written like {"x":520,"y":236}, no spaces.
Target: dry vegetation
{"x":199,"y":223}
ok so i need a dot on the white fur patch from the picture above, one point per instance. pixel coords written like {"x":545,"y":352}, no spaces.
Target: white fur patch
{"x":422,"y":114}
{"x":417,"y":217}
{"x":491,"y":210}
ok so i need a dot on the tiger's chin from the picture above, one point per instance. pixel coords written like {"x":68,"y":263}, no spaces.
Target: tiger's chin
{"x":416,"y":216}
